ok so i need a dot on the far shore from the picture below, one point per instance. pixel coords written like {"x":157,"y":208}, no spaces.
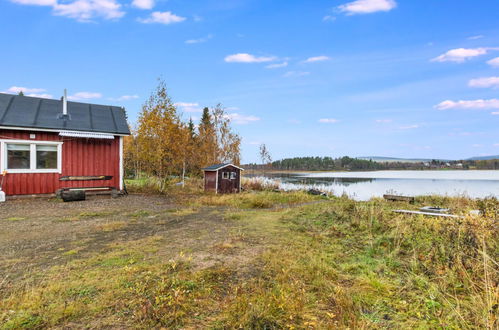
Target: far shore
{"x":253,"y":171}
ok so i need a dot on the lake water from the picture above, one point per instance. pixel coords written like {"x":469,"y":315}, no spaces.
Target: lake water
{"x":364,"y":185}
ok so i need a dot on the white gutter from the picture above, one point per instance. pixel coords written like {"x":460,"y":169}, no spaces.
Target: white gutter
{"x":88,"y":135}
{"x":16,"y":128}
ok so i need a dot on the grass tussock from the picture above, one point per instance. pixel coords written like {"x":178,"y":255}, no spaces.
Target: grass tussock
{"x":258,"y":184}
{"x":256,"y":200}
{"x":170,"y":186}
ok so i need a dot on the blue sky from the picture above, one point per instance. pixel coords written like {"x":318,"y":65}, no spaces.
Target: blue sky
{"x":329,"y":78}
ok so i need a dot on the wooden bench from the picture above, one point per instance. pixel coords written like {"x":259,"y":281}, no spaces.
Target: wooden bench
{"x":396,"y":198}
{"x":107,"y":189}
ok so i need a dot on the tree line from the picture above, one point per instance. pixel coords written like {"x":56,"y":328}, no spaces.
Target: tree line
{"x":354,"y":164}
{"x":164,"y":146}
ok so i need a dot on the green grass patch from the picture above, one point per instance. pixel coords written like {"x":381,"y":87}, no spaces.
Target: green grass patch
{"x":15,"y":219}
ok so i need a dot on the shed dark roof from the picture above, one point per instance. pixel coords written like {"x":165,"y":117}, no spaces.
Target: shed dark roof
{"x":217,"y":167}
{"x":35,"y":112}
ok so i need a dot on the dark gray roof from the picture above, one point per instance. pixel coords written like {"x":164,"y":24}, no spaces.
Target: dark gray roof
{"x":216,"y":167}
{"x":35,"y":112}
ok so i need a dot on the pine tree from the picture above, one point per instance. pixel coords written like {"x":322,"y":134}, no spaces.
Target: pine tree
{"x":207,"y":140}
{"x":191,"y":128}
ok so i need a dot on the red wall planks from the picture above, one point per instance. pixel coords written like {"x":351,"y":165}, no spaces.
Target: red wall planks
{"x":80,"y":157}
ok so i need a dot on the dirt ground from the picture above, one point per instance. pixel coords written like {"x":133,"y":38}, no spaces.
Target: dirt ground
{"x":37,"y":234}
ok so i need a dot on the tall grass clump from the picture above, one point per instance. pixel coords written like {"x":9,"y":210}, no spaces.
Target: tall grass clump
{"x":157,"y":186}
{"x":411,"y":270}
{"x":257,"y":200}
{"x":259,"y":184}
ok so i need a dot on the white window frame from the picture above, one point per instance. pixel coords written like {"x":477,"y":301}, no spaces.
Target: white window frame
{"x":228,"y":175}
{"x":233,"y":175}
{"x":32,"y":158}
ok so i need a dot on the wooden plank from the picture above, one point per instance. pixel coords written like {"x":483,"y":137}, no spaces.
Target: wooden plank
{"x":86,"y":178}
{"x":428,"y":213}
{"x":399,"y":198}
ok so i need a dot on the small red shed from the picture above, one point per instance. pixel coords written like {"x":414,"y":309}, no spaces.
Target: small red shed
{"x":222,"y":178}
{"x":47,"y":145}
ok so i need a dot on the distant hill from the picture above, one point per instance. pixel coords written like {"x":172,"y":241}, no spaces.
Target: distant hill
{"x":394,"y":159}
{"x":484,"y":157}
{"x":420,"y":160}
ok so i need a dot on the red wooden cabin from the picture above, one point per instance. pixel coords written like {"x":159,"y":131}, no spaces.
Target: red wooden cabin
{"x":222,"y":178}
{"x":47,"y":145}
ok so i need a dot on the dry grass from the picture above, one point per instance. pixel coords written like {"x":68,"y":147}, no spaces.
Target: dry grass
{"x":334,"y":264}
{"x":256,"y":200}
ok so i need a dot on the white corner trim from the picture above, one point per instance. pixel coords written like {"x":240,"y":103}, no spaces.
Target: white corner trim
{"x":32,"y":143}
{"x":121,"y":163}
{"x":216,"y":182}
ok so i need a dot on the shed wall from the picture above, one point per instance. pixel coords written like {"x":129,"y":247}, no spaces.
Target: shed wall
{"x":80,"y":157}
{"x":228,"y":186}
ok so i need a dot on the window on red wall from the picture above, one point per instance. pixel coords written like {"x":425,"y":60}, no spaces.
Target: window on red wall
{"x":46,"y":157}
{"x":18,"y":156}
{"x":21,"y":156}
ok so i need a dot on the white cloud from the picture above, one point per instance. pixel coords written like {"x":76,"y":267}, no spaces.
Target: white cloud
{"x":484,"y":82}
{"x":384,"y":121}
{"x":294,"y":121}
{"x":34,"y":92}
{"x":496,"y":144}
{"x":240,"y":119}
{"x":189,"y":106}
{"x":41,"y":95}
{"x":317,"y":59}
{"x":277,"y":65}
{"x":25,"y":90}
{"x":329,"y":18}
{"x":143,"y":4}
{"x":86,"y":10}
{"x":162,"y":18}
{"x":367,"y":6}
{"x":81,"y":10}
{"x":248,"y":58}
{"x":494,"y":62}
{"x":200,"y":40}
{"x":328,"y":120}
{"x":468,"y":105}
{"x":459,"y":55}
{"x":475,"y":37}
{"x":476,"y":145}
{"x":35,"y":2}
{"x":495,"y":113}
{"x":290,"y":74}
{"x":84,"y":96}
{"x":125,"y":98}
{"x":409,"y":126}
